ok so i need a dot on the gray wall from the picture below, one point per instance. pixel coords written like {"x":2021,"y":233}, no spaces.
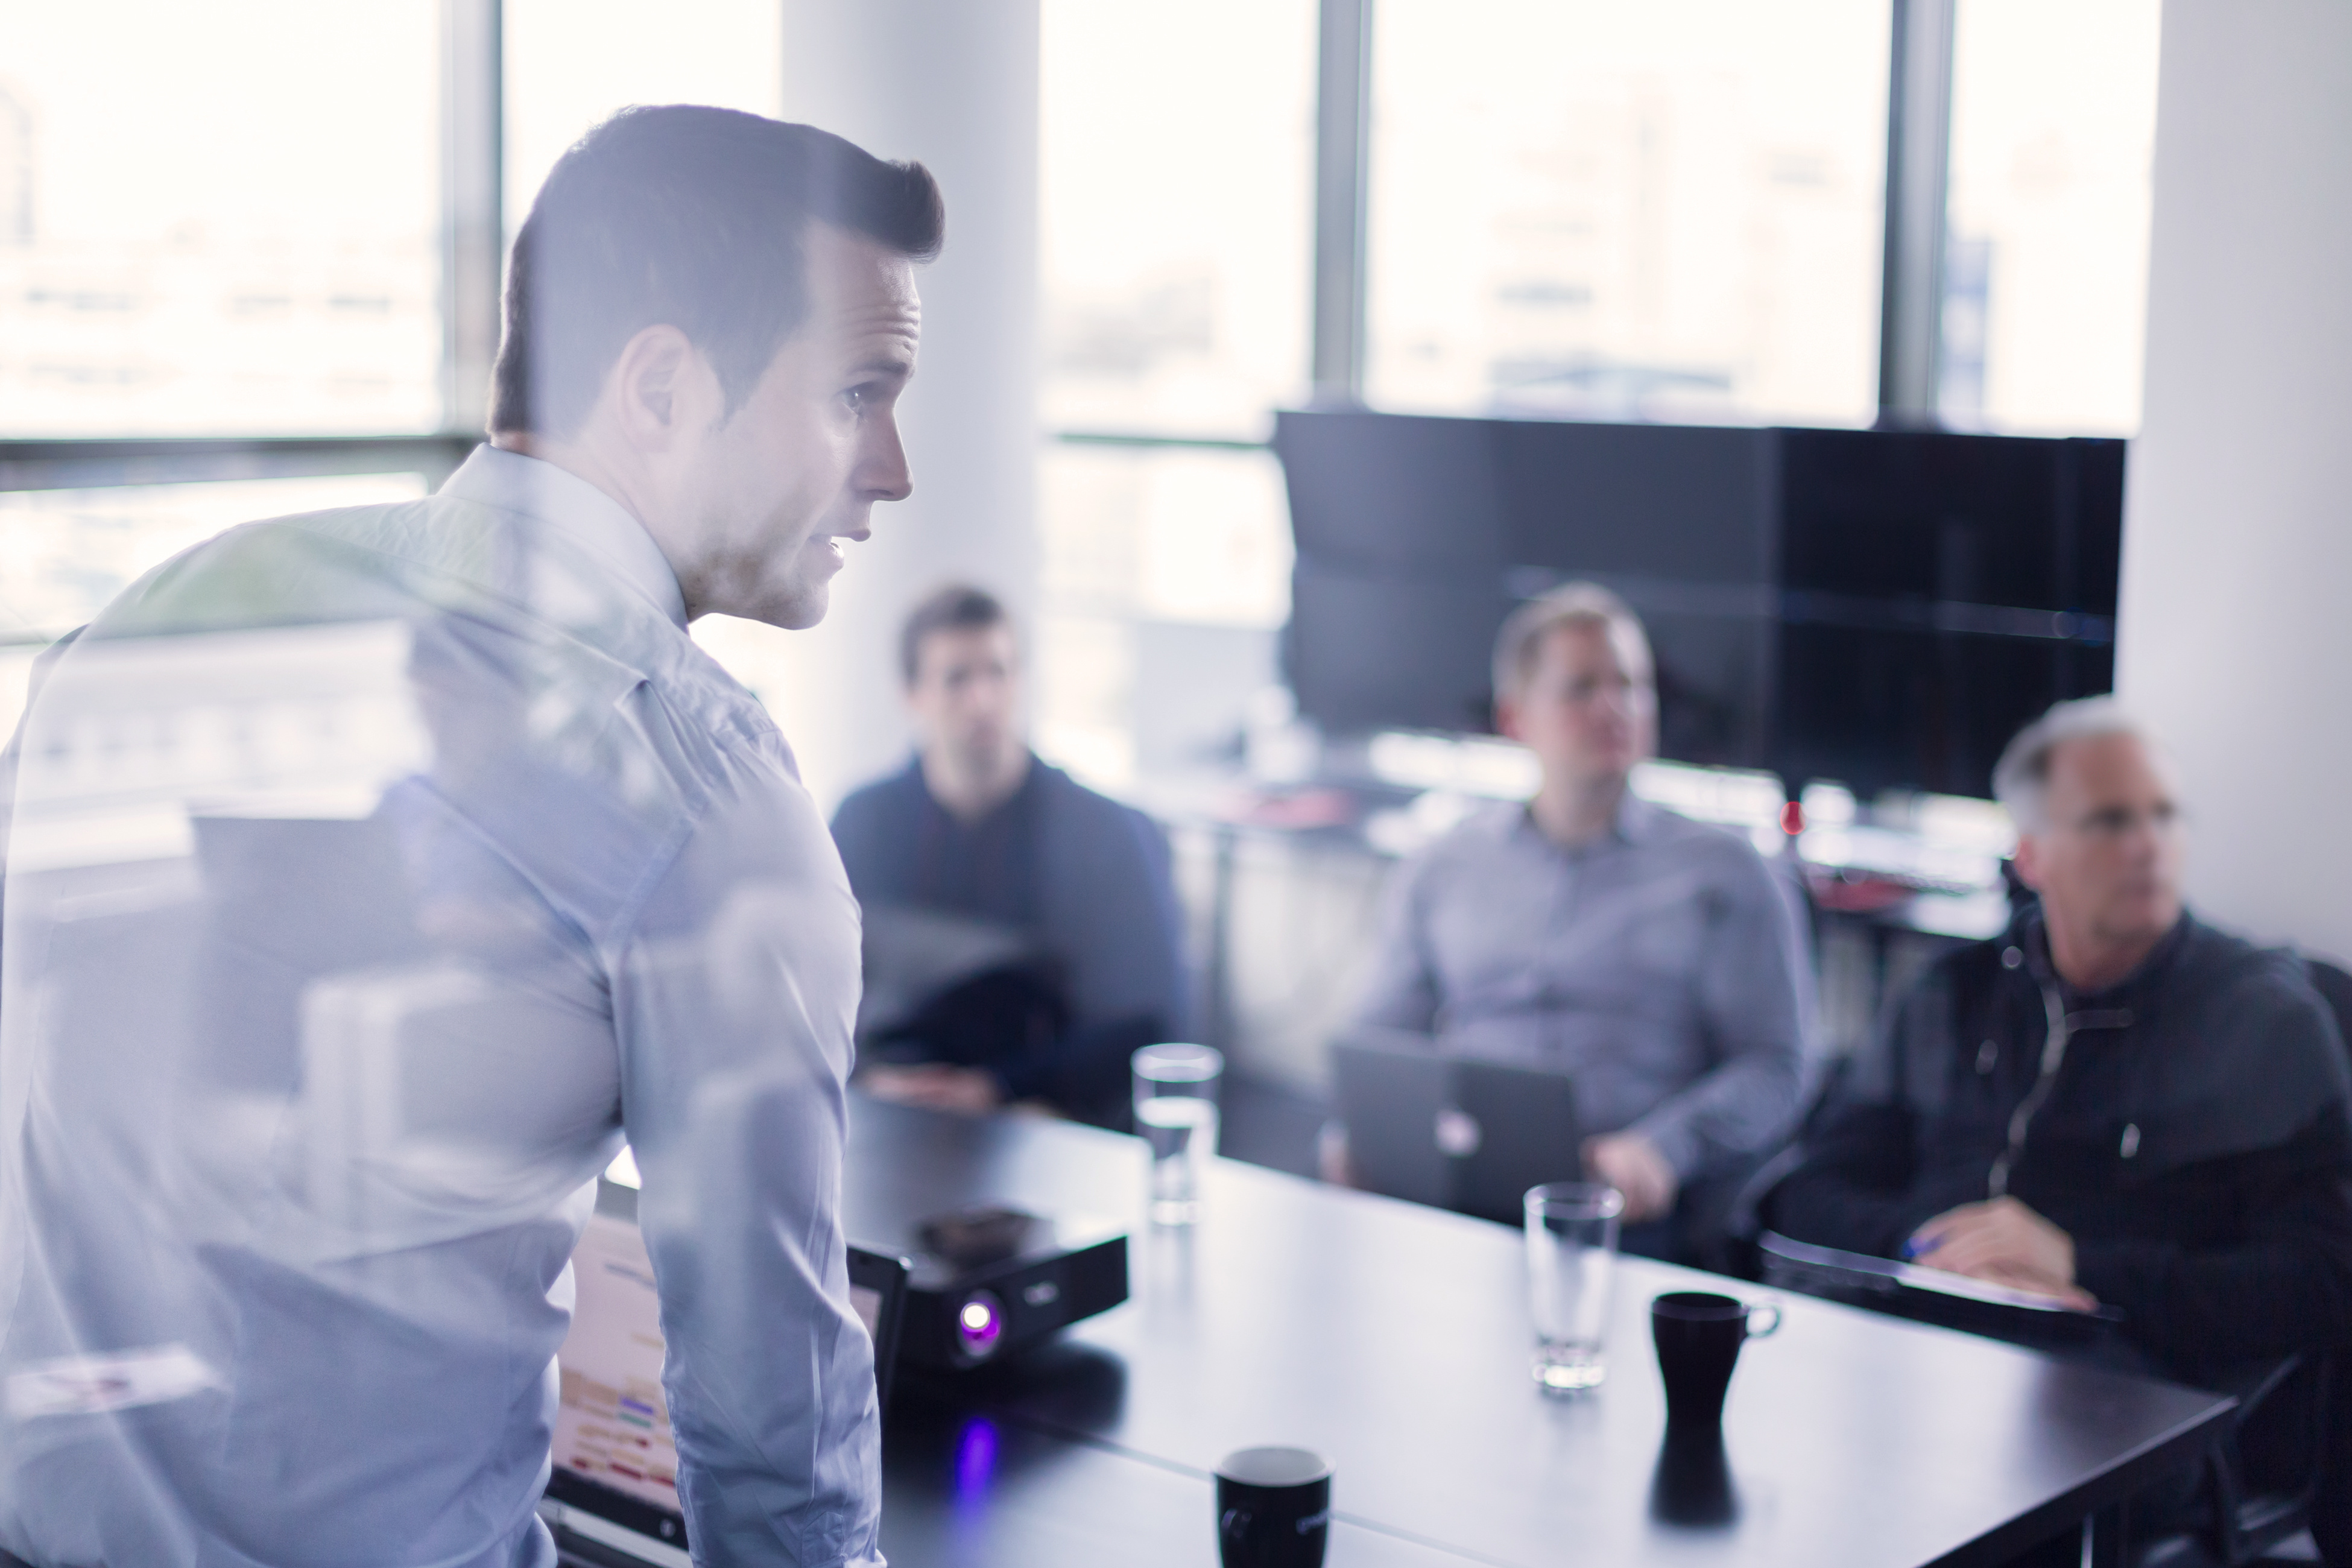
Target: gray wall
{"x":2236,"y":639}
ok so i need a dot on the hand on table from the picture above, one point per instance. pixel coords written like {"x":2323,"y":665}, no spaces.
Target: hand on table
{"x":2002,"y":1243}
{"x":1631,"y":1164}
{"x":936,"y":1086}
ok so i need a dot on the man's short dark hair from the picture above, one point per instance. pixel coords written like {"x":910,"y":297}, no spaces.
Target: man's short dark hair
{"x":688,"y":218}
{"x":957,"y":608}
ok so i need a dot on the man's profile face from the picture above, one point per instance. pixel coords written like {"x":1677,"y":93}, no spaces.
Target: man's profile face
{"x":966,"y":694}
{"x":1588,"y":709}
{"x":797,"y":467}
{"x":2107,"y":857}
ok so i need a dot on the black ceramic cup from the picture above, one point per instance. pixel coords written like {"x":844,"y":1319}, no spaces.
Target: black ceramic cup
{"x":1699,"y":1336}
{"x":1273,"y":1508}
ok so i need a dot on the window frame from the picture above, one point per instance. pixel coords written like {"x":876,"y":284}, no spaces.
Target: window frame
{"x":473,"y":231}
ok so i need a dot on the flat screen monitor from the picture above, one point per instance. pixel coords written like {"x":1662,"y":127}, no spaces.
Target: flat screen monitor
{"x":1882,"y":608}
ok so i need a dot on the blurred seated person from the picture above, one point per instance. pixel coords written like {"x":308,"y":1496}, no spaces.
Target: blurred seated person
{"x":1057,"y":898}
{"x":2111,"y":1102}
{"x":1658,"y":962}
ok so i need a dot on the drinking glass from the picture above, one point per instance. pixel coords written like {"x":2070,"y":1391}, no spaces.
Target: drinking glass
{"x":1176,"y":1112}
{"x":1571,"y":1265}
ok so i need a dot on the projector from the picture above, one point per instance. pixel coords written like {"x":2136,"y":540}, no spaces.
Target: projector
{"x":990,"y":1279}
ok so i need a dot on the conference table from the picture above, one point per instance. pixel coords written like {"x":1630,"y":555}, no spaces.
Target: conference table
{"x":1395,"y":1340}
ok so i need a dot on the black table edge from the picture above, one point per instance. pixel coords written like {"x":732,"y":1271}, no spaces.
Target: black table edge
{"x":2116,"y":1486}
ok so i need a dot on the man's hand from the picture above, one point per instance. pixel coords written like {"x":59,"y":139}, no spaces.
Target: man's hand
{"x":1631,"y":1164}
{"x":2002,"y":1243}
{"x":933,"y":1085}
{"x":1333,"y":1161}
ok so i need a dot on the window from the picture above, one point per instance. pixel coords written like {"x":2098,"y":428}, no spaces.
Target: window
{"x":1665,"y":211}
{"x":1177,"y":213}
{"x":1176,"y":219}
{"x":1166,"y":575}
{"x":2045,"y":273}
{"x":571,"y":63}
{"x":173,"y":261}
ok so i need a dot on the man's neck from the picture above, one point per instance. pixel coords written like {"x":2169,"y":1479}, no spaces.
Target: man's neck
{"x":969,"y":788}
{"x":2092,"y":961}
{"x":1574,"y":815}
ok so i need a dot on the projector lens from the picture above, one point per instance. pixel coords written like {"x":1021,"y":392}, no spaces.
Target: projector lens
{"x":980,"y":1323}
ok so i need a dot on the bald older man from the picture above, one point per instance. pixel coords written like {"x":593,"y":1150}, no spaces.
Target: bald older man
{"x":2112,"y":1102}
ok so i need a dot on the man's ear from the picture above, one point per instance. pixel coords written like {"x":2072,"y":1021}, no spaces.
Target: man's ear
{"x":2029,"y":862}
{"x":654,"y":386}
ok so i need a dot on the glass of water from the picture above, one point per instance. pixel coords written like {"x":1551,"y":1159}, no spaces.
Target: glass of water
{"x":1176,"y":1112}
{"x":1571,"y":1265}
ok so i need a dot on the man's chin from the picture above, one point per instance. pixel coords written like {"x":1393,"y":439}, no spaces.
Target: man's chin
{"x":796,"y":611}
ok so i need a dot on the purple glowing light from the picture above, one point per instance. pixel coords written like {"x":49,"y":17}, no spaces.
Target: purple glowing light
{"x":980,"y":1323}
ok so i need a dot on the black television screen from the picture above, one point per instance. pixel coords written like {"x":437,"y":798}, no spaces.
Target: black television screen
{"x":1882,"y":608}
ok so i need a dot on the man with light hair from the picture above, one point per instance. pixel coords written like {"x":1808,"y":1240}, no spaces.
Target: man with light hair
{"x":1657,"y":961}
{"x":2111,"y":1102}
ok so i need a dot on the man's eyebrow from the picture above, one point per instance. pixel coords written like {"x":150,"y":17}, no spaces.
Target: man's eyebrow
{"x":885,"y":364}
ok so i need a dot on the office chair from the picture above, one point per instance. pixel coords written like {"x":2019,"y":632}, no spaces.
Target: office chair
{"x":2266,"y":1479}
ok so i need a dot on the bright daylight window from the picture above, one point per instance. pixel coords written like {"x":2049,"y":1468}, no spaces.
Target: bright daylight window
{"x":2045,"y":274}
{"x":570,"y":63}
{"x":173,"y":262}
{"x":1177,"y":226}
{"x":1668,"y":210}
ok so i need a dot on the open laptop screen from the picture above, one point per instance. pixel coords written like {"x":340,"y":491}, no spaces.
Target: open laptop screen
{"x":615,"y":1460}
{"x":616,"y":1466}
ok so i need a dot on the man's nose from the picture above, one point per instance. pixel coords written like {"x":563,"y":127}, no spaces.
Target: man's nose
{"x":883,"y":471}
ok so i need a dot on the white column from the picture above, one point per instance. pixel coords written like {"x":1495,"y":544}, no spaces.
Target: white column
{"x":2236,"y":631}
{"x":953,"y":84}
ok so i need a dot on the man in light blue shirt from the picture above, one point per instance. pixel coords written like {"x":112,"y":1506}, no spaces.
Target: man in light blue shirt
{"x":1656,"y":960}
{"x":374,"y":875}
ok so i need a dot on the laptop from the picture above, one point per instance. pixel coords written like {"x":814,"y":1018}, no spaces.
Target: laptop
{"x":612,"y":1499}
{"x":1451,"y":1130}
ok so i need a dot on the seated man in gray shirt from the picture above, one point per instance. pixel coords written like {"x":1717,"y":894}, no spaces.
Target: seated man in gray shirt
{"x":1658,"y":961}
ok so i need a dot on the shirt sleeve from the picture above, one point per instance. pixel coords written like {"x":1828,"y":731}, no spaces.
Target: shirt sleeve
{"x":734,"y":1003}
{"x":1400,"y":991}
{"x":1756,"y":1003}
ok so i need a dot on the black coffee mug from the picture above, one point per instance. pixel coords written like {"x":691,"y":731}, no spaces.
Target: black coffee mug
{"x":1273,"y":1508}
{"x":1699,"y":1336}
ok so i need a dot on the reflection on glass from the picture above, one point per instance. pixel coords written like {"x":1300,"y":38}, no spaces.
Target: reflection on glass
{"x":353,"y":865}
{"x":64,"y":554}
{"x":1669,"y":210}
{"x":172,"y":261}
{"x":2045,"y":290}
{"x":1177,"y":170}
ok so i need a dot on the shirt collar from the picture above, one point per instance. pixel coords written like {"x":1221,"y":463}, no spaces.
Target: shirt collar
{"x":592,"y":519}
{"x":1636,"y":822}
{"x":2034,"y":938}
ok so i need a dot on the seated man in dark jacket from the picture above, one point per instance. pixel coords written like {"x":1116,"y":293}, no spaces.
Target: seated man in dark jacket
{"x":978,"y":829}
{"x":2110,"y":1103}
